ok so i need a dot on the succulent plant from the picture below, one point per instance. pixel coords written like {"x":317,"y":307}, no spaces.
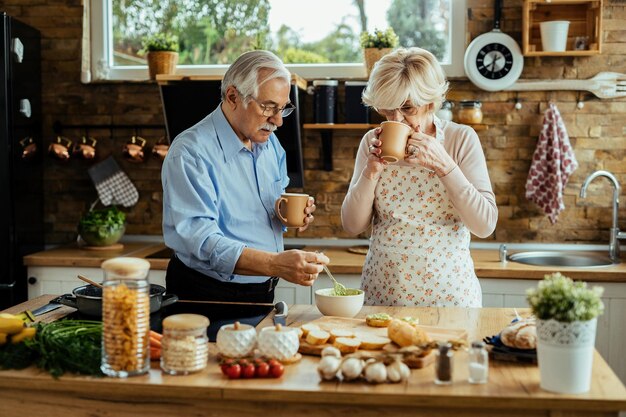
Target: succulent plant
{"x":560,"y":298}
{"x":379,"y":39}
{"x":160,"y":42}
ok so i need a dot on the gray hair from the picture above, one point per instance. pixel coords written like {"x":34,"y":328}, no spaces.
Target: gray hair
{"x":244,"y":72}
{"x":406,"y":74}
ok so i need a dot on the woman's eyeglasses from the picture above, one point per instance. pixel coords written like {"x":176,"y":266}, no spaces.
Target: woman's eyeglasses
{"x":272,"y":109}
{"x":404,"y":110}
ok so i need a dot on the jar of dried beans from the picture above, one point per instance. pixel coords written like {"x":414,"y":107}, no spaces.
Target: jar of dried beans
{"x":125,"y":317}
{"x":185,"y":344}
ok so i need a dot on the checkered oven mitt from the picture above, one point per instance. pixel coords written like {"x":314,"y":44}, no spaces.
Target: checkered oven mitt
{"x":113,"y":185}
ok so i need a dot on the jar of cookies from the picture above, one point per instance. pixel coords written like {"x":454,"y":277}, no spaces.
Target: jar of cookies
{"x":125,"y":317}
{"x":185,"y":344}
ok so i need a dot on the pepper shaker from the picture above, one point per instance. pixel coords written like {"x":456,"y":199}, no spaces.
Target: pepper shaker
{"x":443,"y":364}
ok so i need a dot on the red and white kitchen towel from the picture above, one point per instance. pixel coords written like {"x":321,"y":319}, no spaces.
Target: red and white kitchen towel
{"x":553,"y":163}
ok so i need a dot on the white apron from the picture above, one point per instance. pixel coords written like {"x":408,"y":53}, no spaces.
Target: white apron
{"x":419,"y":250}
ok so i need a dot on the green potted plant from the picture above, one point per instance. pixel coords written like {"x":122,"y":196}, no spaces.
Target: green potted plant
{"x":566,"y":313}
{"x":376,"y":44}
{"x":102,"y":227}
{"x":162,"y":53}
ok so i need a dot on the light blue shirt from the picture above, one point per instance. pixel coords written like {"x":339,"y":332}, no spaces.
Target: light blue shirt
{"x":218,"y":197}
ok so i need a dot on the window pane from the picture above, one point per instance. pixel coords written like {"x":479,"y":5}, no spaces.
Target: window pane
{"x":217,"y":31}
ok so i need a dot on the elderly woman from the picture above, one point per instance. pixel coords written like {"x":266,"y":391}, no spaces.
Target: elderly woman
{"x":423,"y":208}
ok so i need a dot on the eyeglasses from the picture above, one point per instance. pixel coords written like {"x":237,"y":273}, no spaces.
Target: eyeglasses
{"x":272,"y":109}
{"x":404,"y":110}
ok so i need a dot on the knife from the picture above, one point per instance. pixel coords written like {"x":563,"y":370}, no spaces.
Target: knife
{"x":28,"y":316}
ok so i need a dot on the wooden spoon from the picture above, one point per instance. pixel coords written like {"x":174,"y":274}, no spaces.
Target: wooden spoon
{"x":88,"y":281}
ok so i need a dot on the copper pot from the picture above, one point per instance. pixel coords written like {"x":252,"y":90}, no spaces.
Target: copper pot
{"x":29,"y":147}
{"x":160,"y":149}
{"x":133,"y":149}
{"x":60,"y":148}
{"x":86,"y":148}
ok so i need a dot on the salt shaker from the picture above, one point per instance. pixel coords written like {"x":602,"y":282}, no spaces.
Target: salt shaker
{"x":443,"y":364}
{"x":478,"y":361}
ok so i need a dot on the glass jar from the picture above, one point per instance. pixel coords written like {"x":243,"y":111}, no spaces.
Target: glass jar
{"x":445,"y":112}
{"x":125,"y":317}
{"x":470,"y":112}
{"x":185,"y":345}
{"x":478,"y":362}
{"x":443,"y":364}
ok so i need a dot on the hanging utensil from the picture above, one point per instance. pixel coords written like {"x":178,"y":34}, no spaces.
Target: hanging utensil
{"x":602,"y":85}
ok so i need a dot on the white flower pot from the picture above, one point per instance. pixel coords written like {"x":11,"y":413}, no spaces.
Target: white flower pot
{"x":554,"y":35}
{"x":565,"y":355}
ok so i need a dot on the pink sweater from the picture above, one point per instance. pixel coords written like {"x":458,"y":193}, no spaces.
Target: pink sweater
{"x":467,"y":185}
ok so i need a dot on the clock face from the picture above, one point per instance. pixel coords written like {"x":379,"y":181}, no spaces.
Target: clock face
{"x":494,"y":61}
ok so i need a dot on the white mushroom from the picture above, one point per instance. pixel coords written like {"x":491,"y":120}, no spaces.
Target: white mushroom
{"x":331,"y":351}
{"x":328,"y":367}
{"x":376,"y":373}
{"x":351,"y":368}
{"x":398,"y":371}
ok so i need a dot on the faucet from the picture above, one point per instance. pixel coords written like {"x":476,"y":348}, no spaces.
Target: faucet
{"x":614,"y":252}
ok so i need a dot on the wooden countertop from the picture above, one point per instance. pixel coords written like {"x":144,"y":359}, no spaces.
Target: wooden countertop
{"x":486,"y":262}
{"x":512,"y":390}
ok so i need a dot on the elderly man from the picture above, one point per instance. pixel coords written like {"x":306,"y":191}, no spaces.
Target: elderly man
{"x":221,"y":179}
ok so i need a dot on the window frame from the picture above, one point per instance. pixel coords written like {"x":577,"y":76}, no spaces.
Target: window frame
{"x":101,"y":53}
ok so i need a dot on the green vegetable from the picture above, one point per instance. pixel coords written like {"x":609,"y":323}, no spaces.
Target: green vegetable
{"x":160,"y":42}
{"x":58,"y":347}
{"x":103,"y":226}
{"x":558,"y":297}
{"x":379,"y":39}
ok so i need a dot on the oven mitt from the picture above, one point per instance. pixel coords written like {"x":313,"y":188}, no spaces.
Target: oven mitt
{"x":112,"y":184}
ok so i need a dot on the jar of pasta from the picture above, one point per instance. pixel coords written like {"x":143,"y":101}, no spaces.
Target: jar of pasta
{"x":470,"y":112}
{"x":125,"y":317}
{"x":185,"y":345}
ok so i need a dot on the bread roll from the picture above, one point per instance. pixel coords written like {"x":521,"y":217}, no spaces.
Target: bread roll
{"x":347,"y":344}
{"x":378,"y":320}
{"x":405,"y":334}
{"x":317,"y":337}
{"x":520,"y":335}
{"x":373,"y":342}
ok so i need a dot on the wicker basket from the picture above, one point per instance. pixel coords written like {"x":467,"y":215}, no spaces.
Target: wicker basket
{"x":372,"y":55}
{"x":162,"y":62}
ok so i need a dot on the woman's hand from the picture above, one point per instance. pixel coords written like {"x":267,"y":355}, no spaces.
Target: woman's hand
{"x":308,"y":210}
{"x":427,"y":151}
{"x":375,"y":165}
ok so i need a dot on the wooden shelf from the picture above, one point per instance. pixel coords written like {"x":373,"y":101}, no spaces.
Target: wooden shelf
{"x":337,"y":126}
{"x":165,"y":79}
{"x":585,"y":17}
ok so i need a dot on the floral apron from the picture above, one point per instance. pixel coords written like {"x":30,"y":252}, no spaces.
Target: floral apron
{"x":419,"y":250}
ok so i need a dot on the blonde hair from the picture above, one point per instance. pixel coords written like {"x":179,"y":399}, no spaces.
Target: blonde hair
{"x":244,"y":72}
{"x":406,"y":74}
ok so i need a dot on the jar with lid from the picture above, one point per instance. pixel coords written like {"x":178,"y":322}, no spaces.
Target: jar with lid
{"x":125,"y":317}
{"x":470,"y":112}
{"x":185,"y":345}
{"x":478,"y":362}
{"x":443,"y":364}
{"x":445,"y":112}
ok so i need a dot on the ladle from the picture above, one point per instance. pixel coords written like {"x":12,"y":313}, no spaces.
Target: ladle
{"x":88,"y":281}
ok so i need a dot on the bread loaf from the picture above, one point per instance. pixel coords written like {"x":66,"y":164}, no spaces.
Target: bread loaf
{"x":405,"y":334}
{"x":520,"y":335}
{"x":347,"y":344}
{"x":335,"y":333}
{"x":317,"y":337}
{"x":307,"y":327}
{"x":369,"y":342}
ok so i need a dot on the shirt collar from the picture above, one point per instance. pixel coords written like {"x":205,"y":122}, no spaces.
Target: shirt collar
{"x":229,"y":141}
{"x":438,"y":128}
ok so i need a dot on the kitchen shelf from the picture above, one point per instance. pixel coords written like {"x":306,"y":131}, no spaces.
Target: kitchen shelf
{"x":585,"y":17}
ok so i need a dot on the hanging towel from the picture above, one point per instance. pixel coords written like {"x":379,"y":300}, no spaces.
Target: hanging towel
{"x":112,"y":184}
{"x":553,"y":163}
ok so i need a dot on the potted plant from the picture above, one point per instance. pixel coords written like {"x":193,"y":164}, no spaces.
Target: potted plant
{"x":375,"y":45}
{"x":566,"y":314}
{"x":162,"y":53}
{"x":102,"y":227}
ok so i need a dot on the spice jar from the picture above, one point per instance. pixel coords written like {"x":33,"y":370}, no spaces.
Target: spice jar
{"x":125,"y":317}
{"x":445,"y":112}
{"x":470,"y":112}
{"x":185,"y":345}
{"x":443,"y":364}
{"x":478,"y":361}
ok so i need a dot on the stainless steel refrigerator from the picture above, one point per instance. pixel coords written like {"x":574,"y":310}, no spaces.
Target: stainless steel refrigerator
{"x":21,"y":155}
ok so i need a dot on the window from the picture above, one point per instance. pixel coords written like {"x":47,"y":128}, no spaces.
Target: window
{"x":315,"y":38}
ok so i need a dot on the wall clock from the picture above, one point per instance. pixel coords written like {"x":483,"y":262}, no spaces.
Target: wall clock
{"x":494,"y":61}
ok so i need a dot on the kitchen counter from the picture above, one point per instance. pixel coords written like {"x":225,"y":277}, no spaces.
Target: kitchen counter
{"x":486,"y":262}
{"x":513,"y":389}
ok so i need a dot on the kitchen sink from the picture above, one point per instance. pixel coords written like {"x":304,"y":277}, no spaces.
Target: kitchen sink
{"x":563,"y":258}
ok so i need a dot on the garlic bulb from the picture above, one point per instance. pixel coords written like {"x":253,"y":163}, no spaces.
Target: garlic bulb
{"x":351,"y":368}
{"x":331,"y":351}
{"x":398,"y":371}
{"x":376,"y":373}
{"x":328,"y":367}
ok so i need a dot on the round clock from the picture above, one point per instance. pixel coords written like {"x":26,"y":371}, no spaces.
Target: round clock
{"x":494,"y":61}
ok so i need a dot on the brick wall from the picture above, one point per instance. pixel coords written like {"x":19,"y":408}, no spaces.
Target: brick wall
{"x":598,"y":132}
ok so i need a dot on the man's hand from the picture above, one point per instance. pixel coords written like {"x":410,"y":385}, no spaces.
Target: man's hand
{"x":298,"y":266}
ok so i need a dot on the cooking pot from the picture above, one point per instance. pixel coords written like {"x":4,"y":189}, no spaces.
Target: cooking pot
{"x":88,"y":299}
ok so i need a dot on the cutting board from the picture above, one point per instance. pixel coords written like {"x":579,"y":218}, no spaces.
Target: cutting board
{"x":360,"y":328}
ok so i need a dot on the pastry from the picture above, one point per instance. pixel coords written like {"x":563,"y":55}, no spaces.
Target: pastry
{"x":405,"y":334}
{"x":378,"y":320}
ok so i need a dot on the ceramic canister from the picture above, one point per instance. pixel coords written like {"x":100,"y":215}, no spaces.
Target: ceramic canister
{"x":236,"y":340}
{"x":279,"y":342}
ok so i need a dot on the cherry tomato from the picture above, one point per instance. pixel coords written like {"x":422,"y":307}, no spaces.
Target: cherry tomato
{"x":243,"y":363}
{"x":226,"y":364}
{"x":247,"y":371}
{"x":277,"y":370}
{"x":274,"y":362}
{"x":262,"y":370}
{"x":233,"y":371}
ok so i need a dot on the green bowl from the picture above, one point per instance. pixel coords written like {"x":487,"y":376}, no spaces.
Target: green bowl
{"x":102,"y":235}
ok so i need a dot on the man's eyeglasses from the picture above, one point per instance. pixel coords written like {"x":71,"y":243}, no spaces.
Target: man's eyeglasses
{"x":404,"y":110}
{"x":272,"y":109}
